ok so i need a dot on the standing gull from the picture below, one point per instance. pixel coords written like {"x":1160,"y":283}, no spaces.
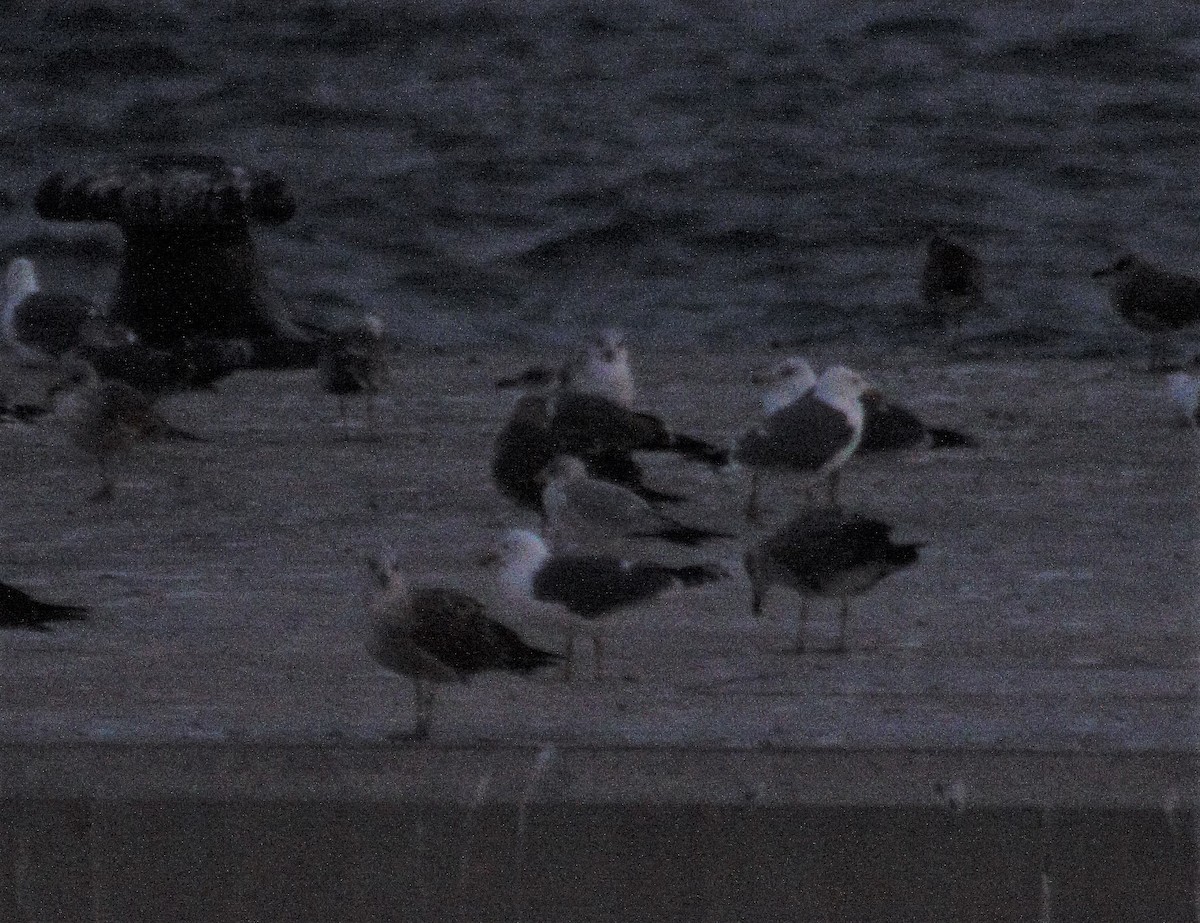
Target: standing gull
{"x":438,"y":635}
{"x":586,"y":587}
{"x":20,"y":610}
{"x":576,"y":505}
{"x":353,"y":360}
{"x":815,"y":434}
{"x":951,"y":282}
{"x":826,"y":552}
{"x":1153,"y":300}
{"x":106,"y":419}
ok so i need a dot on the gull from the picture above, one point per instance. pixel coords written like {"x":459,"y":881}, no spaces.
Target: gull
{"x":586,"y":588}
{"x":20,"y":610}
{"x":575,"y":504}
{"x":351,"y":360}
{"x":951,"y":282}
{"x":1152,"y":300}
{"x":826,"y":552}
{"x":1184,"y":392}
{"x":438,"y":635}
{"x":887,"y":425}
{"x":815,"y":434}
{"x":37,"y":323}
{"x":533,"y":436}
{"x":105,"y":419}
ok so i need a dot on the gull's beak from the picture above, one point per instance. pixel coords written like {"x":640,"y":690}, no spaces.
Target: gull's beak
{"x":762,"y":377}
{"x":489,"y":558}
{"x":535,"y":375}
{"x":1101,"y":273}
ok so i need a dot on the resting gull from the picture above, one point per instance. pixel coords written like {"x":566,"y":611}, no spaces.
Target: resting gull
{"x":529,"y":440}
{"x":586,"y":587}
{"x":576,"y":505}
{"x":826,"y":552}
{"x":106,"y":419}
{"x":1156,"y":301}
{"x":814,"y":434}
{"x":37,"y":323}
{"x":1184,"y":392}
{"x":352,"y":360}
{"x":439,"y":635}
{"x":20,"y":610}
{"x":951,"y":282}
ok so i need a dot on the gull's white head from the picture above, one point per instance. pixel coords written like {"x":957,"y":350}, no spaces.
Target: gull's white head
{"x":1184,"y":391}
{"x":843,"y":388}
{"x":601,"y":366}
{"x":783,"y":382}
{"x":21,"y":280}
{"x":518,"y":554}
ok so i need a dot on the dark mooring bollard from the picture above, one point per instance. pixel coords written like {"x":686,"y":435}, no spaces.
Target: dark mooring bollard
{"x":190,"y":270}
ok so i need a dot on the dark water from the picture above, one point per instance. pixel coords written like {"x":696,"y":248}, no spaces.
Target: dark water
{"x":728,"y":172}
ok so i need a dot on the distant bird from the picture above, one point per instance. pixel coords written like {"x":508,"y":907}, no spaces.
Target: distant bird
{"x":826,"y":552}
{"x":1156,"y":301}
{"x":951,"y":282}
{"x":105,"y":419}
{"x":439,"y":635}
{"x":20,"y":610}
{"x":576,"y":505}
{"x":815,"y":434}
{"x":352,"y":360}
{"x":1184,"y":392}
{"x":586,"y":587}
{"x":35,"y":323}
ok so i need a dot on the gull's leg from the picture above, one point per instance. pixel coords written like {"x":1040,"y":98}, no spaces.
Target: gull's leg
{"x":801,"y":626}
{"x":753,"y":513}
{"x":843,"y":617}
{"x":597,"y":656}
{"x":106,"y":491}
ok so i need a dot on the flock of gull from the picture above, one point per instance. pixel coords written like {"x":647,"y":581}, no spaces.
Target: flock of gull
{"x":571,"y":451}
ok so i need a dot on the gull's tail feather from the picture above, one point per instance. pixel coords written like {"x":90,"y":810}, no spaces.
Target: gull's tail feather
{"x":696,"y":574}
{"x":691,"y":447}
{"x":525,"y":658}
{"x":940,"y":438}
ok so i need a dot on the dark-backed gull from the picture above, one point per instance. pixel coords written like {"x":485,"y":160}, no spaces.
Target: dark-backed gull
{"x":1154,"y":300}
{"x":826,"y":551}
{"x":586,"y":587}
{"x":815,"y":434}
{"x":20,"y":610}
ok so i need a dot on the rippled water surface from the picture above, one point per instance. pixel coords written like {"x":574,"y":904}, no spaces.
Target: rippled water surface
{"x":732,"y":172}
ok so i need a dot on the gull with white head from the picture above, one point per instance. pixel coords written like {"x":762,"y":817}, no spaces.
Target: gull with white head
{"x":1154,"y":300}
{"x":438,"y":635}
{"x":815,"y":434}
{"x":583,"y":588}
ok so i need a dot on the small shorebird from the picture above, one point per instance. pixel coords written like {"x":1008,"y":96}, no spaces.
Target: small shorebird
{"x":826,"y":552}
{"x":20,"y":610}
{"x":1153,"y":300}
{"x":951,"y":283}
{"x":438,"y":635}
{"x":585,"y":587}
{"x":575,"y":505}
{"x":352,"y":360}
{"x":816,"y":433}
{"x":105,"y":419}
